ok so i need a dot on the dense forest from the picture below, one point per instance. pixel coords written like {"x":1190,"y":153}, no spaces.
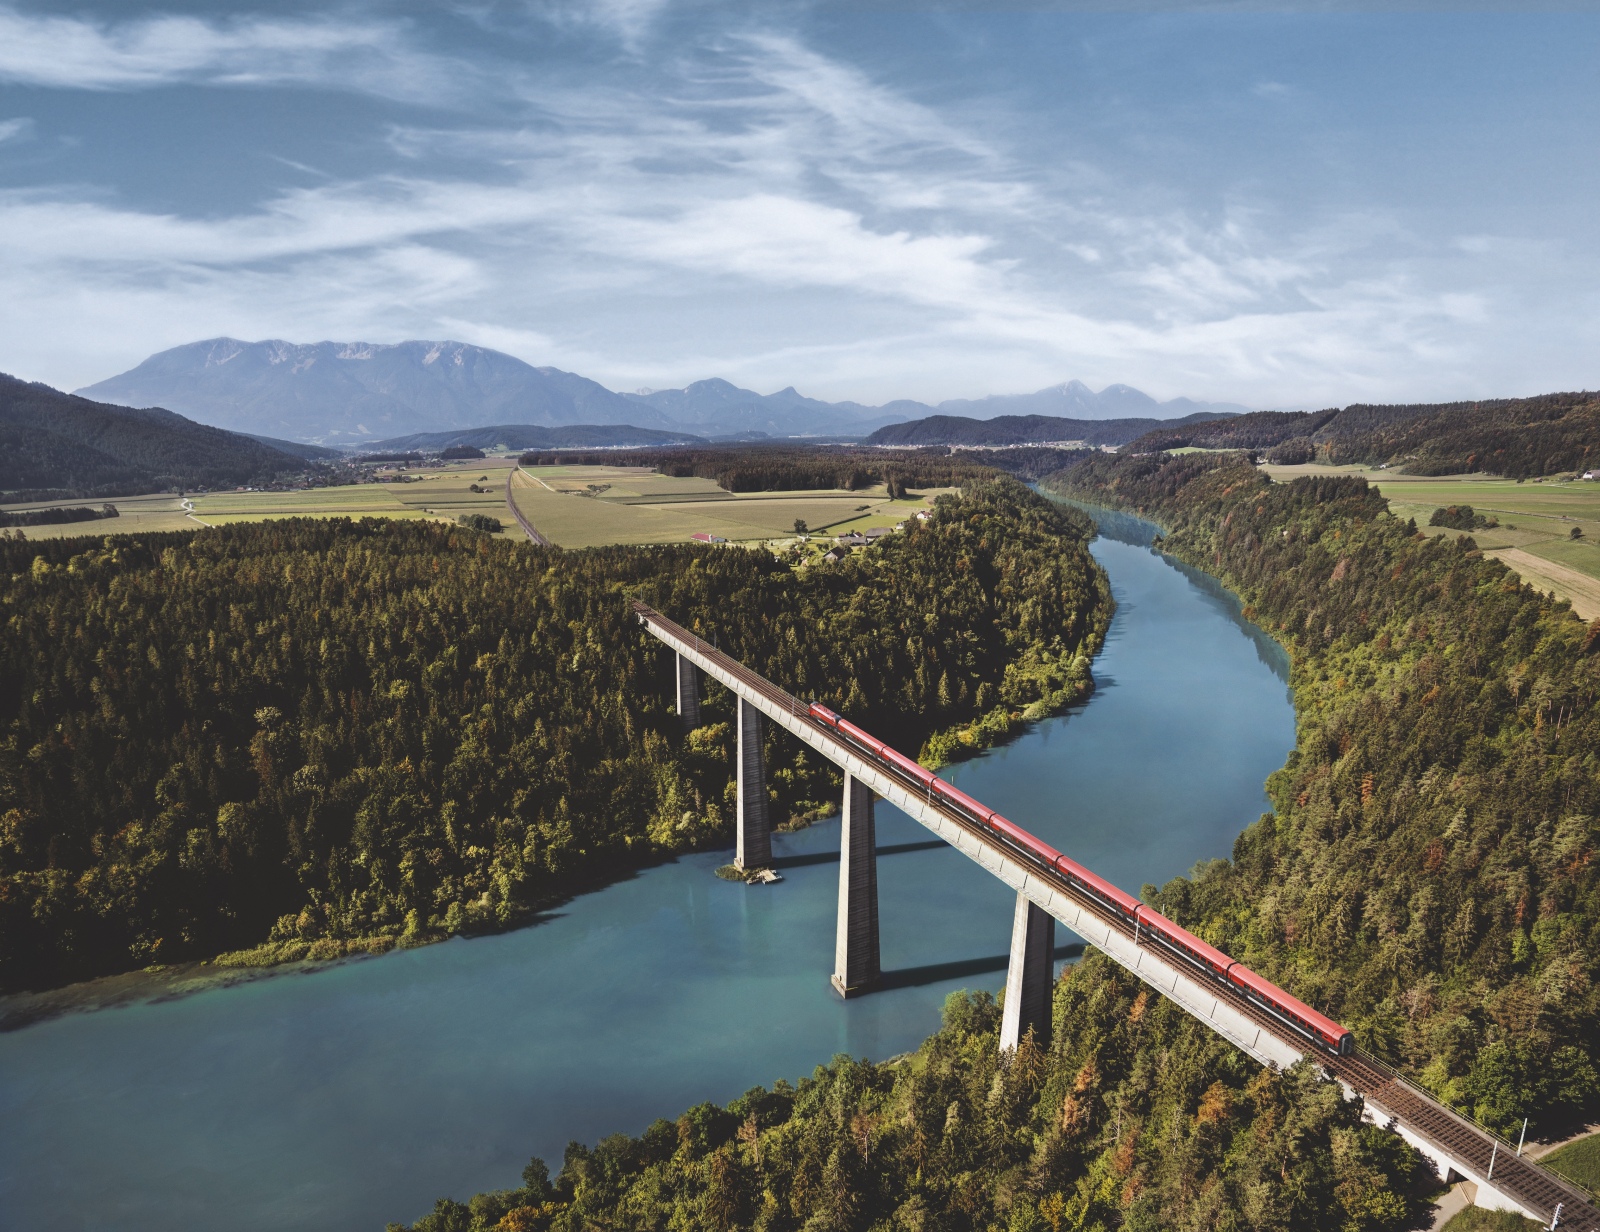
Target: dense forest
{"x":54,"y":446}
{"x":1516,"y":437}
{"x":787,"y":468}
{"x":1446,"y":738}
{"x":330,"y":735}
{"x":1427,"y":874}
{"x":1138,"y":1117}
{"x":1005,"y":430}
{"x":1026,"y":462}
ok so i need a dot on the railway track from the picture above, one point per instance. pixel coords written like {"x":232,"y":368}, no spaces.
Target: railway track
{"x":1457,"y":1137}
{"x":527,"y":526}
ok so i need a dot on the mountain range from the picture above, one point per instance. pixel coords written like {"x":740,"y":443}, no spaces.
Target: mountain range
{"x":360,"y":394}
{"x":533,"y":436}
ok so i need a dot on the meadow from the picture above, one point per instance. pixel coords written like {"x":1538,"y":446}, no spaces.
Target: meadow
{"x":442,"y":492}
{"x":1578,"y":1161}
{"x":1537,"y":518}
{"x":136,"y":515}
{"x":588,"y":506}
{"x":572,"y":506}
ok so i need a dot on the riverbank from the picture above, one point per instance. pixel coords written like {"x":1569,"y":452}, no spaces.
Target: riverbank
{"x":156,"y":984}
{"x":373,"y":1087}
{"x":1446,"y":715}
{"x":407,"y":732}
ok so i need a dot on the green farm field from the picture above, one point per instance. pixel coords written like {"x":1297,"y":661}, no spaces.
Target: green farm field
{"x":136,"y":514}
{"x":1536,"y":517}
{"x":588,"y":506}
{"x":442,"y":493}
{"x":572,"y":506}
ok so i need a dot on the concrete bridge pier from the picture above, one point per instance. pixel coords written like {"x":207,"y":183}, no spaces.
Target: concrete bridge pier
{"x":1029,"y":979}
{"x":688,"y":681}
{"x":855,"y":952}
{"x":754,"y":843}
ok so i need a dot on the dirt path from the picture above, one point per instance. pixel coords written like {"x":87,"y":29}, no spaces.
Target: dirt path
{"x":1581,"y":590}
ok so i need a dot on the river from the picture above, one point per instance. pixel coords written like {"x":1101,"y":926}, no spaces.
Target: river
{"x":357,"y":1094}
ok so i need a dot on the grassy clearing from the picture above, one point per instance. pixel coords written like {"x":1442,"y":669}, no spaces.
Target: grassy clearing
{"x":1536,"y":522}
{"x":588,"y":506}
{"x":1578,"y":1161}
{"x":1476,"y":1219}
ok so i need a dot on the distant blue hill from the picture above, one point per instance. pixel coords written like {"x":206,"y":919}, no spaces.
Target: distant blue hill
{"x":335,"y":393}
{"x":531,"y":436}
{"x":358,"y":394}
{"x":1028,"y":430}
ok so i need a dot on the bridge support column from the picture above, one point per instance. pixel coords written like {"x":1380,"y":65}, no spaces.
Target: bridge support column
{"x":1028,"y":980}
{"x":855,"y":950}
{"x":755,"y":834}
{"x":688,"y":681}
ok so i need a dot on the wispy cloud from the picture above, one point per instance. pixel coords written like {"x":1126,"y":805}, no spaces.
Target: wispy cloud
{"x":17,"y":129}
{"x":740,"y":203}
{"x":82,"y":53}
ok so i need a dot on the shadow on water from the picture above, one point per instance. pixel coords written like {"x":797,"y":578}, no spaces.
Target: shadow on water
{"x":832,"y":857}
{"x":935,"y":973}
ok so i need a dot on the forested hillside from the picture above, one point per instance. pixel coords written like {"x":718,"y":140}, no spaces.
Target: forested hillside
{"x":1515,"y":437}
{"x":339,"y":734}
{"x":1427,"y":874}
{"x":56,"y":446}
{"x":787,"y":468}
{"x":1003,"y":430}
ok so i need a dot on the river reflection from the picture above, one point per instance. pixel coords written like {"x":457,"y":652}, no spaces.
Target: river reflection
{"x":359,"y":1094}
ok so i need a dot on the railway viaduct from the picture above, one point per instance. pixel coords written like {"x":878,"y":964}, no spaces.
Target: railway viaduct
{"x":1500,"y":1177}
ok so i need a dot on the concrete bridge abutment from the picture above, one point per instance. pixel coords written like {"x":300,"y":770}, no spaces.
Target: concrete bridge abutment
{"x":1030,"y":977}
{"x":754,"y":841}
{"x":855,"y":953}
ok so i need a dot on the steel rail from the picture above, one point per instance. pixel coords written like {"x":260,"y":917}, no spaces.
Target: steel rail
{"x":1474,"y":1145}
{"x":527,"y":526}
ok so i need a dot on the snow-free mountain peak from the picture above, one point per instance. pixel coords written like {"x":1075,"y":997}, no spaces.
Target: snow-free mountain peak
{"x":355,"y":393}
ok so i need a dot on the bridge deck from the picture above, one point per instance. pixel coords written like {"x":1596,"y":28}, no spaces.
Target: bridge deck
{"x":1449,"y":1139}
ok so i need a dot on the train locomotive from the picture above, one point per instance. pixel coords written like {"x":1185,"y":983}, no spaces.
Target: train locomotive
{"x":1146,"y":921}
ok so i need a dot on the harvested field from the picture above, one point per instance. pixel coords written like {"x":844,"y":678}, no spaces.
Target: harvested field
{"x":1536,"y":517}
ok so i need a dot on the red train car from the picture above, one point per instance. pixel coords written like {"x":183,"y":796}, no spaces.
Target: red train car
{"x":1145,"y":919}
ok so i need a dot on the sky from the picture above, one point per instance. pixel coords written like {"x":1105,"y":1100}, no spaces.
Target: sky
{"x":1279,"y":207}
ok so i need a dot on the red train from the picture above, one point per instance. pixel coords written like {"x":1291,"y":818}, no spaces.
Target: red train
{"x":1146,"y":920}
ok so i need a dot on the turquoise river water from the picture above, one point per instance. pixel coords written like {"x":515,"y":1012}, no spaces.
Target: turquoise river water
{"x":357,"y":1094}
